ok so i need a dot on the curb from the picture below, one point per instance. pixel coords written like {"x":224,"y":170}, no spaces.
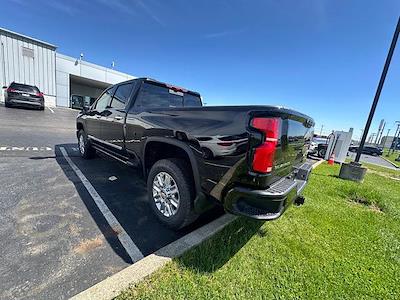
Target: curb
{"x":115,"y":284}
{"x":390,"y":162}
{"x":317,"y":163}
{"x":112,"y":286}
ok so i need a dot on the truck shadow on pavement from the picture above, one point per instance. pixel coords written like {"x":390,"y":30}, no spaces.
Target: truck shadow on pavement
{"x":124,"y":192}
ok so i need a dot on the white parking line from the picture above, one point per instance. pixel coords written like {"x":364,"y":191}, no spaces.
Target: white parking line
{"x":112,"y":286}
{"x":130,"y":247}
{"x":52,"y":111}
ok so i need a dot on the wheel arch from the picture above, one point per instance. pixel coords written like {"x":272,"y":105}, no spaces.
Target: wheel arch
{"x":168,"y":146}
{"x":79,"y":126}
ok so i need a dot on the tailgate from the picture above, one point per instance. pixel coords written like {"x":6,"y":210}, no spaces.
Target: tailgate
{"x":288,"y":134}
{"x":295,"y":139}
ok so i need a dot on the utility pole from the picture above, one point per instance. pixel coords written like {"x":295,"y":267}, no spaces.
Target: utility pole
{"x":387,"y":134}
{"x":322,"y":127}
{"x":398,"y":136}
{"x":362,"y":131}
{"x":378,"y":90}
{"x":371,"y":138}
{"x":395,"y":138}
{"x":381,"y":124}
{"x":380,"y":135}
{"x":354,"y":170}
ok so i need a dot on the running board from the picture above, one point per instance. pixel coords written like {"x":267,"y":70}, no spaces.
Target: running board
{"x":126,"y":162}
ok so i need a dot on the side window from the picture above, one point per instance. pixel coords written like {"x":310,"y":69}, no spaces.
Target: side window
{"x":104,"y":100}
{"x":121,"y":96}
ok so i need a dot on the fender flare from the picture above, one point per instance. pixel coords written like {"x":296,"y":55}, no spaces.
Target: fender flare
{"x":82,"y":123}
{"x":184,"y":147}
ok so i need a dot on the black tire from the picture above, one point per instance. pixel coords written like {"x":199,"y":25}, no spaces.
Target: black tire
{"x":87,"y":152}
{"x":207,"y":153}
{"x":179,"y":170}
{"x":6,"y":104}
{"x":321,"y":153}
{"x":41,"y":108}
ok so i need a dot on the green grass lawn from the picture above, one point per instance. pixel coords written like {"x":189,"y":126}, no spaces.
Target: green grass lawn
{"x":343,"y":243}
{"x":392,"y":157}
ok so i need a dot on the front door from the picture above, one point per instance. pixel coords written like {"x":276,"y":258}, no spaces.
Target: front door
{"x":112,"y":131}
{"x":96,"y":116}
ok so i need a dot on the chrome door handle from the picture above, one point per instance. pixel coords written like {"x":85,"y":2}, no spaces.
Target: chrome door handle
{"x":118,"y":118}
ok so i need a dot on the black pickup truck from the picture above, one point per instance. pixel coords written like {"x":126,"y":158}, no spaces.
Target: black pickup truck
{"x":250,"y":159}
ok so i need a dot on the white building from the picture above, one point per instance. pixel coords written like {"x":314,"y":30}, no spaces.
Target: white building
{"x":61,"y":78}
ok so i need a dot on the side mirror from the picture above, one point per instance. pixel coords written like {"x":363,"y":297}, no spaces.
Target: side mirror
{"x":85,"y":108}
{"x":4,"y":87}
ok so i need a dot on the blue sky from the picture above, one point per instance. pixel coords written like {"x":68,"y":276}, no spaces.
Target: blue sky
{"x":323,"y":58}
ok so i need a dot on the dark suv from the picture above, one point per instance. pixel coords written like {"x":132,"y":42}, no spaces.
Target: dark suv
{"x":18,"y":94}
{"x":371,"y":150}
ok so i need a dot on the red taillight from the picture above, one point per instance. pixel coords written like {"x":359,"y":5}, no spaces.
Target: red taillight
{"x":11,"y":90}
{"x":264,"y":154}
{"x":39,"y":94}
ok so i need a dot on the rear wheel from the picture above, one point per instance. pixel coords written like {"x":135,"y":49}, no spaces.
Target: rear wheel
{"x":85,"y":149}
{"x":6,"y":104}
{"x":170,"y":192}
{"x":321,"y":153}
{"x":41,"y":108}
{"x":207,"y":154}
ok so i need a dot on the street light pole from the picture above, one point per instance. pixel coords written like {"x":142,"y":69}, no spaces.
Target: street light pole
{"x":380,"y":136}
{"x":378,"y":90}
{"x":371,"y":138}
{"x":384,"y":143}
{"x":395,"y":138}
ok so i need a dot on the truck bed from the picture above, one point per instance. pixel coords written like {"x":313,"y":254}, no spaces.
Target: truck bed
{"x":220,"y":138}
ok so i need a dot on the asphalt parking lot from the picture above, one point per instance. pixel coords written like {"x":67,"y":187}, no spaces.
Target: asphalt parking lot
{"x":376,"y":160}
{"x":56,"y":239}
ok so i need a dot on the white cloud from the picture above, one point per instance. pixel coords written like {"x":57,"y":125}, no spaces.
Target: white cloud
{"x":223,"y":33}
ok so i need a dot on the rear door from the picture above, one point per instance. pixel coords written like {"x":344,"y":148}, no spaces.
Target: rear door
{"x":97,"y":114}
{"x":152,"y":96}
{"x":113,"y":121}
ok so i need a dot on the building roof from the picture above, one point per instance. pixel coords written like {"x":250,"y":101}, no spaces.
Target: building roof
{"x":18,"y":35}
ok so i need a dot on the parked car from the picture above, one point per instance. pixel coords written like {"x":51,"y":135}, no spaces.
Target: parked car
{"x":312,"y":148}
{"x":257,"y":170}
{"x":321,"y":150}
{"x":221,"y":145}
{"x":371,"y":150}
{"x":318,"y":146}
{"x":18,"y":94}
{"x":353,"y":148}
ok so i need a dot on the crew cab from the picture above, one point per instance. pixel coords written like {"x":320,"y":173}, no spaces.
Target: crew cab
{"x":249,"y":159}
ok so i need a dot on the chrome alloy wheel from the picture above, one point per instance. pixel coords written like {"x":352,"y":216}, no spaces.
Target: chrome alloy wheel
{"x":81,"y":144}
{"x":166,"y":194}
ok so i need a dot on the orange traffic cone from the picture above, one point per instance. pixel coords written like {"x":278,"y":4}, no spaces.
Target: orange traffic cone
{"x":331,"y":160}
